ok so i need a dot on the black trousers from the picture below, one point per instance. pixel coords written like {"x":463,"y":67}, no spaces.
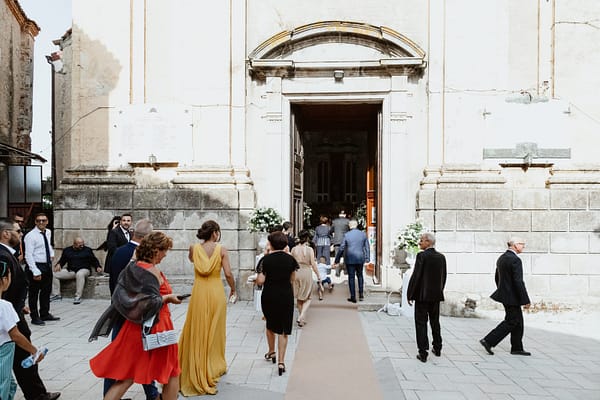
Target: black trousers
{"x":40,"y":290}
{"x":28,"y":378}
{"x":513,"y":324}
{"x":423,"y":311}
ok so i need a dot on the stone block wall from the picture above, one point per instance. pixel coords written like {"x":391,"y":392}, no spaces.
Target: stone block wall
{"x":84,"y":208}
{"x":17,"y":39}
{"x":560,"y":223}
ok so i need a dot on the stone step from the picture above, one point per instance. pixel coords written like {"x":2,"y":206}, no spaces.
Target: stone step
{"x":376,"y":298}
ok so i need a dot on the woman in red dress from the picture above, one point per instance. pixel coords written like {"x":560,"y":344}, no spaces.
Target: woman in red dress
{"x":124,"y":359}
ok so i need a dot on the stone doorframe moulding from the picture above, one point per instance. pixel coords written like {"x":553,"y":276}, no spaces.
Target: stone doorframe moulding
{"x":273,"y":63}
{"x":399,"y":54}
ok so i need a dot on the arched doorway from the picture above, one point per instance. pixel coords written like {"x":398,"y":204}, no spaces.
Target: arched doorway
{"x":337,"y":91}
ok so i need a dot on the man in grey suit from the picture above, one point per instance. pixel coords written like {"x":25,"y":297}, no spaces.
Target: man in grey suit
{"x":339,"y":227}
{"x":511,"y":292}
{"x":355,"y":248}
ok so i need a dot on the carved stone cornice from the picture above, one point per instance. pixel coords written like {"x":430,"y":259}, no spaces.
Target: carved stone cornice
{"x":275,"y":56}
{"x":574,"y":176}
{"x":26,"y":24}
{"x":462,"y":175}
{"x":98,"y":175}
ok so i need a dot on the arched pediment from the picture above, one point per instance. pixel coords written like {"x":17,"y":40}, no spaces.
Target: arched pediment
{"x":334,"y":45}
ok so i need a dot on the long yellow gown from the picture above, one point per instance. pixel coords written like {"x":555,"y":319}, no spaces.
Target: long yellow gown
{"x":202,"y":341}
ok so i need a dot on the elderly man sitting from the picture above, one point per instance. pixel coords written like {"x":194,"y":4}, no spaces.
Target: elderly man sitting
{"x":79,"y":259}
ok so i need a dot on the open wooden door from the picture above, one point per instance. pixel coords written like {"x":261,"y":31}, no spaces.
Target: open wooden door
{"x":374,"y":201}
{"x":297,"y":179}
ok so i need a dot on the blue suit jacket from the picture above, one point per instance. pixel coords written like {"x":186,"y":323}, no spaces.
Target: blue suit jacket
{"x":354,"y":247}
{"x":119,"y":261}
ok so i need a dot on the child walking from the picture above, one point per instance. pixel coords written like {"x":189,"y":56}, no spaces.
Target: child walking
{"x":9,"y":336}
{"x":324,"y":270}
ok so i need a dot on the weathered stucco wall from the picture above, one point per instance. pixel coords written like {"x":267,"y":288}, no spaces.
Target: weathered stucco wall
{"x":17,"y":34}
{"x":172,"y":80}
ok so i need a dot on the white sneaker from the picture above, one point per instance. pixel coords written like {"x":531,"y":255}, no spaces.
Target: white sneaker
{"x":77,"y":300}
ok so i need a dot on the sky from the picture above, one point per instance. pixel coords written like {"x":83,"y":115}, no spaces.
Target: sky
{"x":54,"y":19}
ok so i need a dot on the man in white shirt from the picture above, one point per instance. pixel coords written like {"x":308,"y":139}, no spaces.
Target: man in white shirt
{"x":38,"y":256}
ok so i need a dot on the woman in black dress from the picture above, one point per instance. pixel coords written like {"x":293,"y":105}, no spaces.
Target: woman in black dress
{"x":277,"y":276}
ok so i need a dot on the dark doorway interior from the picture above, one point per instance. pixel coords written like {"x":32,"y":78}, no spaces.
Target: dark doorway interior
{"x":339,"y":148}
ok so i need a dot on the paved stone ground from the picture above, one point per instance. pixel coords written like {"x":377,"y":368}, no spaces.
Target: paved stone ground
{"x":562,"y":366}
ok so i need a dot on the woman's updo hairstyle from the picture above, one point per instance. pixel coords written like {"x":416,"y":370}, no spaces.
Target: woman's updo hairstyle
{"x":151,"y":244}
{"x":304,"y":236}
{"x":207,"y":229}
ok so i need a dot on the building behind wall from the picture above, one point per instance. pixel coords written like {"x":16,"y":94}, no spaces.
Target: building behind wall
{"x":484,"y":125}
{"x":20,"y":182}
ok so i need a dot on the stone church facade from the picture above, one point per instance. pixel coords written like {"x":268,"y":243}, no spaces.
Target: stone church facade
{"x":480,"y":121}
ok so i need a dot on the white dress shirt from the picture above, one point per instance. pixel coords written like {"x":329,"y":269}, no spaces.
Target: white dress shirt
{"x":125,"y":232}
{"x":35,"y":249}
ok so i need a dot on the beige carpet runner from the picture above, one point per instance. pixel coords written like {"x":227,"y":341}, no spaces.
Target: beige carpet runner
{"x":332,"y":358}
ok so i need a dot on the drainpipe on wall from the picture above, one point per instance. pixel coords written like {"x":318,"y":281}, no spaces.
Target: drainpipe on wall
{"x":51,"y":59}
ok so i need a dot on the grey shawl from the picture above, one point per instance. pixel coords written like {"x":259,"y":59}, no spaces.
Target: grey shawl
{"x":136,"y":298}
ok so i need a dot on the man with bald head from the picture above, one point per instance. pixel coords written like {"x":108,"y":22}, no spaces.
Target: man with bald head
{"x":80,"y":260}
{"x":511,"y":292}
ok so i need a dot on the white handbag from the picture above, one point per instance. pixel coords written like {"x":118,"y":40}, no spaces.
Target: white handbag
{"x":151,"y":341}
{"x":257,"y":299}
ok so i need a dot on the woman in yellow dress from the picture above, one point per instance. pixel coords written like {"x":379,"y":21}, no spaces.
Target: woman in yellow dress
{"x":202,"y":341}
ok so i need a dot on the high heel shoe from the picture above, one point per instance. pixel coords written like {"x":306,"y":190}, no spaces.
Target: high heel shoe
{"x":271,"y":356}
{"x":281,"y":368}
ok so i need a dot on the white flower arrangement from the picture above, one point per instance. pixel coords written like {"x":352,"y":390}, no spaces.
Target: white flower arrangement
{"x":408,"y":239}
{"x":261,"y":219}
{"x":306,"y":213}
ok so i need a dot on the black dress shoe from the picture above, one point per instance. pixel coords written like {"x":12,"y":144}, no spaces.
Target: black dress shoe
{"x":487,"y":346}
{"x":50,"y":317}
{"x":37,"y":321}
{"x":352,"y":300}
{"x":520,"y":353}
{"x":361,"y":298}
{"x":49,"y":396}
{"x":422,"y":357}
{"x":437,"y":352}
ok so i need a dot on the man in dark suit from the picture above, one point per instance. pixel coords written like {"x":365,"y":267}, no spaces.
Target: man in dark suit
{"x":116,"y":238}
{"x":124,"y":253}
{"x":28,"y":378}
{"x":426,"y":289}
{"x":339,"y":227}
{"x":119,"y":261}
{"x":511,"y":292}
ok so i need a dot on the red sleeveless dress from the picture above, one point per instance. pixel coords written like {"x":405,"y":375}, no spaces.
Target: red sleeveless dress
{"x":125,"y":358}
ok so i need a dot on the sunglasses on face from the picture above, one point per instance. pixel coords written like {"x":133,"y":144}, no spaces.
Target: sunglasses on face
{"x":41,"y":220}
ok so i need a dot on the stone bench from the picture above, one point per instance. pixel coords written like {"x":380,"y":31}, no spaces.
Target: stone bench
{"x":96,"y":287}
